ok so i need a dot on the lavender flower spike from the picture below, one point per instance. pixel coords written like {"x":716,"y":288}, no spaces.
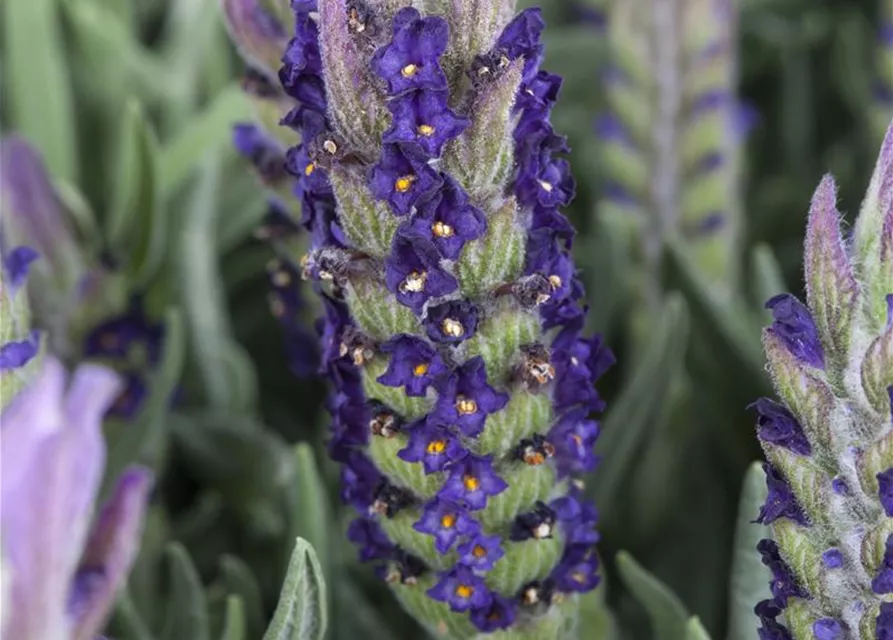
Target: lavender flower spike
{"x":431,"y":187}
{"x":829,"y":444}
{"x":60,"y":577}
{"x":674,"y":129}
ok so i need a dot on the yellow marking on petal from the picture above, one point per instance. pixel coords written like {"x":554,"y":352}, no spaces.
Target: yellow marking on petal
{"x":448,"y":521}
{"x":409,"y":70}
{"x":471,"y":483}
{"x":466,"y":406}
{"x":420,"y":369}
{"x":436,"y":447}
{"x":442,"y":230}
{"x":309,"y":169}
{"x":547,"y":186}
{"x":404,"y":183}
{"x":464,"y":591}
{"x":452,"y":328}
{"x":478,"y":551}
{"x":426,"y":130}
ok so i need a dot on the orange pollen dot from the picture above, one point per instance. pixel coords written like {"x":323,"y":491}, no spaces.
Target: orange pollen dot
{"x":466,"y":406}
{"x":436,"y":446}
{"x":426,"y":130}
{"x":420,"y":369}
{"x":409,"y":70}
{"x":535,"y":459}
{"x":448,"y":521}
{"x":464,"y":591}
{"x":309,"y":169}
{"x":442,"y":230}
{"x":471,"y":483}
{"x":404,"y":183}
{"x":478,"y":551}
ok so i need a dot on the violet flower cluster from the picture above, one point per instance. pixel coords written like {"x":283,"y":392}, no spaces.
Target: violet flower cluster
{"x":671,"y":137}
{"x":431,"y":182}
{"x":829,"y":443}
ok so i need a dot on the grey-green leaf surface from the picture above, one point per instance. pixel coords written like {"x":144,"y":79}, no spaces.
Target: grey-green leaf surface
{"x":694,"y":630}
{"x":238,"y":579}
{"x":187,"y":611}
{"x":750,"y":578}
{"x":310,"y":510}
{"x":669,"y":619}
{"x":234,"y":623}
{"x":301,"y":612}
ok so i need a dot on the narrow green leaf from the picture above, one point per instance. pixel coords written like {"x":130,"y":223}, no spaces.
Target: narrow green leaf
{"x":694,"y":630}
{"x":36,"y":83}
{"x":141,"y":440}
{"x":187,"y":612}
{"x":634,"y":413}
{"x":310,"y":509}
{"x":301,"y":612}
{"x":234,"y":625}
{"x":238,"y":579}
{"x":208,"y":130}
{"x":128,"y":620}
{"x":596,"y":620}
{"x":749,"y":577}
{"x":767,"y":278}
{"x":136,"y":225}
{"x":668,"y":615}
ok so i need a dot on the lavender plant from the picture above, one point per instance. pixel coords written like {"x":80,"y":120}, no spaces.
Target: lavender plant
{"x":431,"y":181}
{"x":828,"y":444}
{"x":671,"y":138}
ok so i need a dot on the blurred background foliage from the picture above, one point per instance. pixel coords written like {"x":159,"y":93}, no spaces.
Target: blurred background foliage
{"x":145,"y":93}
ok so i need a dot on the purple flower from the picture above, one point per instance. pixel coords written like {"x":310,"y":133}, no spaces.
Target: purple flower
{"x":574,"y":438}
{"x":577,"y":571}
{"x":403,"y":177}
{"x":63,"y":578}
{"x":770,"y":628}
{"x":413,"y":272}
{"x":264,"y":152}
{"x":17,"y":353}
{"x":449,"y":220}
{"x":129,"y":401}
{"x":472,"y":481}
{"x":451,"y":322}
{"x":461,"y":589}
{"x":499,"y":615}
{"x":414,"y":365}
{"x":446,"y":521}
{"x":795,"y":327}
{"x":781,"y":501}
{"x":521,"y":39}
{"x":481,"y":552}
{"x":883,"y":626}
{"x":359,"y":480}
{"x":578,"y":519}
{"x":423,"y":118}
{"x":883,"y":581}
{"x":411,"y":59}
{"x":546,"y":181}
{"x":117,"y":336}
{"x":777,"y":425}
{"x":827,"y":629}
{"x":885,"y":490}
{"x":832,"y":558}
{"x":433,"y":446}
{"x":784,"y":583}
{"x":366,"y":533}
{"x":466,"y":399}
{"x":15,"y":267}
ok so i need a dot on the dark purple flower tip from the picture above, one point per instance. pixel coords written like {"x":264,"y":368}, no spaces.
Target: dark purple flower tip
{"x":115,"y":337}
{"x":578,"y":519}
{"x":472,"y":481}
{"x":839,"y":486}
{"x":545,"y":180}
{"x":883,"y":582}
{"x":499,"y":615}
{"x":412,"y":59}
{"x":414,"y":365}
{"x":832,"y":558}
{"x":368,"y":535}
{"x":446,"y":521}
{"x":883,"y":626}
{"x":827,"y":629}
{"x":130,"y":400}
{"x":17,"y":353}
{"x":578,"y":570}
{"x":885,"y":490}
{"x":539,"y":95}
{"x":433,"y":446}
{"x":264,"y":152}
{"x":539,"y":524}
{"x":448,"y":220}
{"x":389,"y":499}
{"x":481,"y":552}
{"x":781,"y":501}
{"x":16,"y":265}
{"x":545,"y":256}
{"x":784,"y":584}
{"x":462,"y":590}
{"x":574,"y":438}
{"x":777,"y":425}
{"x":451,"y":322}
{"x":890,"y":393}
{"x":423,"y":118}
{"x":521,"y":39}
{"x":770,"y":628}
{"x":359,"y":480}
{"x":795,"y":327}
{"x":413,"y":272}
{"x":466,"y":399}
{"x":403,"y":177}
{"x":313,"y":180}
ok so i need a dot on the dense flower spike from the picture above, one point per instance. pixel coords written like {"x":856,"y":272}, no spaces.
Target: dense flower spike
{"x":452,"y":334}
{"x":673,"y":132}
{"x":62,"y":576}
{"x":829,"y":443}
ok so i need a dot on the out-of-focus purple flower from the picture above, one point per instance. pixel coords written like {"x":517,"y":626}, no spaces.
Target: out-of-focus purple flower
{"x":63,"y":578}
{"x":446,"y":521}
{"x":481,"y":552}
